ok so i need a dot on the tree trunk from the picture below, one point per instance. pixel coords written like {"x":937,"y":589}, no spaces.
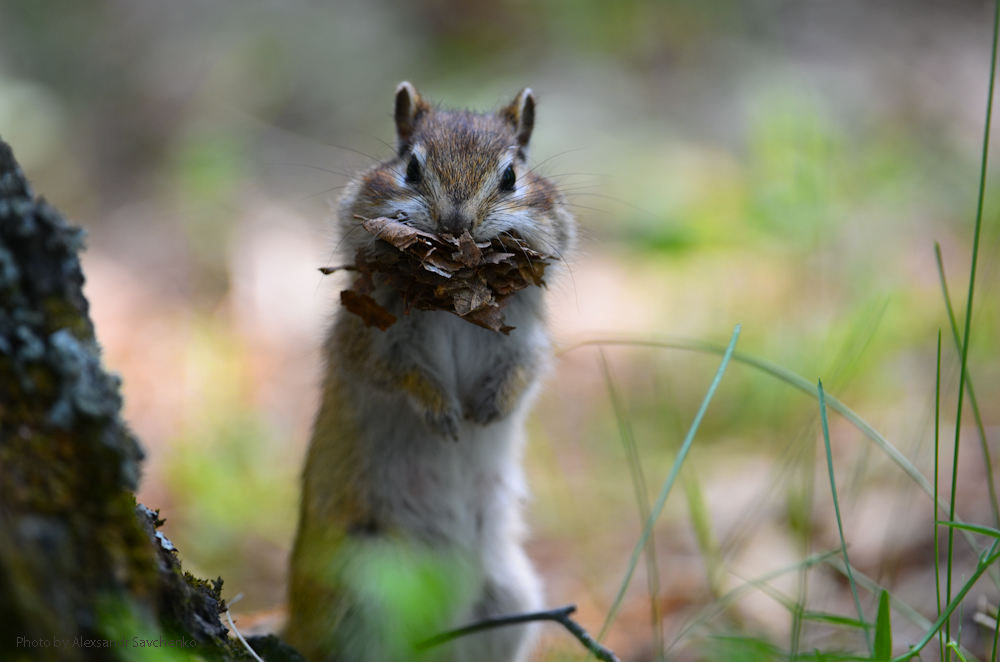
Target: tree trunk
{"x":83,"y":573}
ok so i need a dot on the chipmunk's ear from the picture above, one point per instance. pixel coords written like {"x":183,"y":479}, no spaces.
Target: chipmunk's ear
{"x":409,"y":109}
{"x":521,"y":115}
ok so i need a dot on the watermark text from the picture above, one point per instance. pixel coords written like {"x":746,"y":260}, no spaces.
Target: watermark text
{"x":84,"y":642}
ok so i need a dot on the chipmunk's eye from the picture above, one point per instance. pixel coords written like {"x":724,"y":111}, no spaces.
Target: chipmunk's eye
{"x":507,"y":179}
{"x":413,"y":171}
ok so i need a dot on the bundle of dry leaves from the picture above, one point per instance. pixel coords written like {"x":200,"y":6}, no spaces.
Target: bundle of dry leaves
{"x":474,"y":280}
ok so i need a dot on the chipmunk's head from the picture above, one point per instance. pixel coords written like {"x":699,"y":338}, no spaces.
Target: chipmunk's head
{"x":458,"y":170}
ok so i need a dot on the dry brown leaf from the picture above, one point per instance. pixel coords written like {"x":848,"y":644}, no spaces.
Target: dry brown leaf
{"x":471,"y":256}
{"x":365,"y":307}
{"x":398,"y":234}
{"x":473,"y":280}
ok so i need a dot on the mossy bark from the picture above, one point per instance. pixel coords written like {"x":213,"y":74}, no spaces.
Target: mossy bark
{"x":79,"y":559}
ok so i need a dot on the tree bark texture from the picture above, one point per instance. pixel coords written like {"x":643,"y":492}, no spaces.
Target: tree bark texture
{"x":80,"y":561}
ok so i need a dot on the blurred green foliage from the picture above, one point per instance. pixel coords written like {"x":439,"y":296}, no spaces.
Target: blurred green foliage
{"x":417,"y":588}
{"x":231,"y":477}
{"x":741,"y":649}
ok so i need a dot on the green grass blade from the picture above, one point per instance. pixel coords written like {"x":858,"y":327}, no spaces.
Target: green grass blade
{"x":796,"y":453}
{"x":836,"y":508}
{"x":969,"y":299}
{"x":973,"y":401}
{"x":819,"y":656}
{"x":937,"y":456}
{"x":789,"y":377}
{"x":704,"y":532}
{"x":903,"y":609}
{"x":832,"y":619}
{"x":772,"y":593}
{"x":800,"y":510}
{"x":952,"y":646}
{"x":961,"y":621}
{"x":793,"y":607}
{"x":996,"y":636}
{"x":883,"y":629}
{"x":975,"y":528}
{"x":798,"y":615}
{"x":642,"y":501}
{"x":802,"y":384}
{"x":873,"y":587}
{"x":854,"y":346}
{"x":667,"y":485}
{"x":984,"y":563}
{"x":745,"y":647}
{"x":719,"y":606}
{"x":886,"y":600}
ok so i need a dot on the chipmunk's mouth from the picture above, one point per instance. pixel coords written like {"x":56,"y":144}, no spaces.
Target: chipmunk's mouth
{"x":441,"y":271}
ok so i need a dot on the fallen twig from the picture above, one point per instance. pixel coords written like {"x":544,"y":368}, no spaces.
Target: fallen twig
{"x":559,"y":615}
{"x":252,"y":652}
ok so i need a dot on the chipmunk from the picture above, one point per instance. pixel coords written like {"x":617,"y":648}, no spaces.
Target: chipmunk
{"x":410,"y":518}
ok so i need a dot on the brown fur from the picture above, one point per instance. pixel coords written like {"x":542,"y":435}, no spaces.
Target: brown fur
{"x":415,"y":446}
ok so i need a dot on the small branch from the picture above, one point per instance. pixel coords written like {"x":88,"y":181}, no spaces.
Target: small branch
{"x":252,"y":652}
{"x":559,"y":615}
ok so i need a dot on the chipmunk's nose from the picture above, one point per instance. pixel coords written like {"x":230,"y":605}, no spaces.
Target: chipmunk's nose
{"x":455,"y":223}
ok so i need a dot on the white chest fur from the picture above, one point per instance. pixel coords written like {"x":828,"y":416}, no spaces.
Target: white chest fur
{"x":464,"y":492}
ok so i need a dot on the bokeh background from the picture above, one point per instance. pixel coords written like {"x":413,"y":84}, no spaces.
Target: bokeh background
{"x":783,"y":164}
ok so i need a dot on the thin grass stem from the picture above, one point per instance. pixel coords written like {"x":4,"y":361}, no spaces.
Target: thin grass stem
{"x":805,"y":536}
{"x":937,"y":449}
{"x":901,"y":607}
{"x":704,"y":532}
{"x":972,"y":287}
{"x":836,"y":508}
{"x":798,"y":613}
{"x":772,"y":593}
{"x":961,"y":621}
{"x":975,"y":528}
{"x":843,"y":365}
{"x":642,"y":500}
{"x":875,"y":588}
{"x":984,"y":563}
{"x":719,"y":606}
{"x":973,"y":401}
{"x":667,"y":485}
{"x":802,"y":384}
{"x":991,"y":556}
{"x":952,"y":646}
{"x":996,"y":635}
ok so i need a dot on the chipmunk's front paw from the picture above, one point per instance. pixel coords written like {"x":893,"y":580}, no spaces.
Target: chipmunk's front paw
{"x":486,"y":408}
{"x":444,"y":423}
{"x":496,"y":395}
